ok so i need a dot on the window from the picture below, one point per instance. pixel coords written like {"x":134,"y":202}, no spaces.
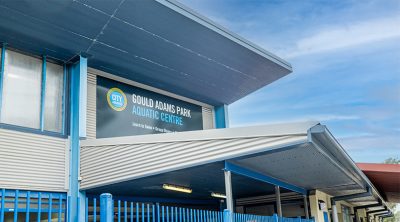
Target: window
{"x":22,"y":91}
{"x":53,"y":97}
{"x":346,"y":214}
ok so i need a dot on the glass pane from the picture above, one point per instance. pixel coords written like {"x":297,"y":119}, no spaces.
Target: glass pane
{"x":53,"y":97}
{"x":21,"y":90}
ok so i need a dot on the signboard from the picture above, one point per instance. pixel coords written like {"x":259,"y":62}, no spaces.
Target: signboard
{"x":125,"y":110}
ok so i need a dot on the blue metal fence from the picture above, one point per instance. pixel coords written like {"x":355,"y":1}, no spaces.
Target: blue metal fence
{"x":128,"y":211}
{"x":237,"y":217}
{"x":19,"y":205}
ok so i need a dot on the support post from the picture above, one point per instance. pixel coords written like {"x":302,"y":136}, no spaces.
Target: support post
{"x":228,"y":190}
{"x":334,"y":212}
{"x":78,"y":81}
{"x":106,"y":208}
{"x":278,"y":201}
{"x":306,"y":207}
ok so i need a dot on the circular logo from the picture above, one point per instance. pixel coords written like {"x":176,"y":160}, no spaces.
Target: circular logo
{"x":116,"y":99}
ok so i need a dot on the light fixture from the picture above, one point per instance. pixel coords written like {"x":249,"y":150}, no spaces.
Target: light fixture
{"x":177,"y":188}
{"x":218,"y":195}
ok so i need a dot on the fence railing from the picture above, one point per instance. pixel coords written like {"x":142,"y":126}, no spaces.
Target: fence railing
{"x":18,"y":205}
{"x":237,"y":217}
{"x":126,"y":211}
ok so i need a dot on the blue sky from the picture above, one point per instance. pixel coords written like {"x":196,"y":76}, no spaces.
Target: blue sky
{"x":346,"y":61}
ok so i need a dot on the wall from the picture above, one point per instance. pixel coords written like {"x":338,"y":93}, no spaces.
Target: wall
{"x":33,"y":162}
{"x":319,"y":214}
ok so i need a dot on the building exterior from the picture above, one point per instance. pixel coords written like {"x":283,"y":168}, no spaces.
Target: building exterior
{"x":130,"y":98}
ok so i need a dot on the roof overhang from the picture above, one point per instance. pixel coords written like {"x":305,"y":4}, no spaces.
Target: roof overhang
{"x":160,"y":43}
{"x":385,"y":177}
{"x":304,"y":155}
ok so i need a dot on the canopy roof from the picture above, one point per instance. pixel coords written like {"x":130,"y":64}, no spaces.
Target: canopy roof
{"x":160,"y":43}
{"x":385,"y":177}
{"x":302,"y":156}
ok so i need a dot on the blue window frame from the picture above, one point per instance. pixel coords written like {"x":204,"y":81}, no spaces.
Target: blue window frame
{"x":33,"y":94}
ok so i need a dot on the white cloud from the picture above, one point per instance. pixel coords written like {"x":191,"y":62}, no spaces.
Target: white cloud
{"x":341,"y":37}
{"x":305,"y":118}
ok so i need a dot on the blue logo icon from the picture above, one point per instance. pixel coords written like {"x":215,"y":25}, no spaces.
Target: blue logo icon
{"x":116,"y":99}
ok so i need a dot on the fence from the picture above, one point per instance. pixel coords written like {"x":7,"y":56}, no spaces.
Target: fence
{"x":125,"y":211}
{"x":18,"y":205}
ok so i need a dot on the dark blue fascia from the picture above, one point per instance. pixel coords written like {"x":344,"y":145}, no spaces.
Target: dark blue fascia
{"x":261,"y":177}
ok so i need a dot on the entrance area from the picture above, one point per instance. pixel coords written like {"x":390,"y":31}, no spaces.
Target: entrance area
{"x":199,"y":194}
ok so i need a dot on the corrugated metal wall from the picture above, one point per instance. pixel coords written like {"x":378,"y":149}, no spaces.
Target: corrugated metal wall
{"x":33,"y":162}
{"x":105,"y":164}
{"x":91,"y":106}
{"x":208,"y":113}
{"x":208,"y":118}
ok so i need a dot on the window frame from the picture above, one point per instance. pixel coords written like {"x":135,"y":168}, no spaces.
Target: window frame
{"x":64,"y":98}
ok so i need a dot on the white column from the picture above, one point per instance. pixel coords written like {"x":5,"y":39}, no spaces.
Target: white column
{"x":278,"y":201}
{"x":228,"y":190}
{"x":334,"y":212}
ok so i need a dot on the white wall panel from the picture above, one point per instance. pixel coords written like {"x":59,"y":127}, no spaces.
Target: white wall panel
{"x":91,"y":106}
{"x":32,"y":161}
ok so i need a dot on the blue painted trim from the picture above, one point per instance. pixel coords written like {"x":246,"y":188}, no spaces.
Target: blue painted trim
{"x":31,"y":130}
{"x":221,"y":116}
{"x":43,"y":93}
{"x":3,"y":56}
{"x":74,"y":129}
{"x":258,"y":176}
{"x":2,"y":209}
{"x":64,"y":100}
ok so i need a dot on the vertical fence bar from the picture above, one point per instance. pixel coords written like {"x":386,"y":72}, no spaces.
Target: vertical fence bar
{"x":94,"y":209}
{"x":131,"y":211}
{"x":106,"y":208}
{"x":172,"y":214}
{"x":39,"y":206}
{"x":3,"y":191}
{"x":125,"y":212}
{"x":59,"y":207}
{"x":87,"y":209}
{"x":28,"y":203}
{"x":148,"y":213}
{"x":68,"y":208}
{"x":176,"y":214}
{"x":162,"y":211}
{"x":154,"y":213}
{"x":50,"y":205}
{"x":167,"y":215}
{"x":16,"y":206}
{"x":142,"y":212}
{"x":119,"y":210}
{"x":158,"y":212}
{"x":180,"y":214}
{"x":137,"y":212}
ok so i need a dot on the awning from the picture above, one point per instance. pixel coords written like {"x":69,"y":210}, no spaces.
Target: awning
{"x":385,"y":177}
{"x":156,"y":42}
{"x":304,"y":155}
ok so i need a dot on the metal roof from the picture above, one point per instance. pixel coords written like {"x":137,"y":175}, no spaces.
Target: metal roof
{"x":303,"y":154}
{"x":157,"y":42}
{"x":386,"y":178}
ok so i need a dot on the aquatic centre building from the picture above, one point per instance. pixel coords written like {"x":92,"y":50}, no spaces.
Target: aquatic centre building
{"x":117,"y":110}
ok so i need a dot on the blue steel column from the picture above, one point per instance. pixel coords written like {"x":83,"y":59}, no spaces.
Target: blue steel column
{"x":78,"y":72}
{"x":221,"y":116}
{"x":106,"y":208}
